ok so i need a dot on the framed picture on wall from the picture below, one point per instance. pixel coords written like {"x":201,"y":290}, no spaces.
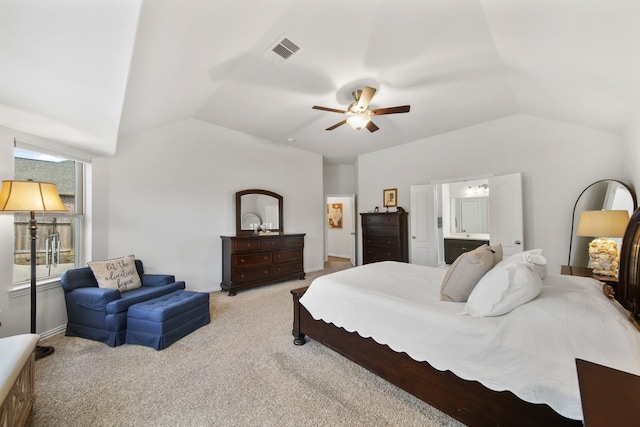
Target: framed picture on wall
{"x":390,"y":197}
{"x":334,"y":215}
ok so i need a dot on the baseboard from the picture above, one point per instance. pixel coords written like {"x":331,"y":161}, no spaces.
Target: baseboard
{"x":340,"y":256}
{"x":48,"y":334}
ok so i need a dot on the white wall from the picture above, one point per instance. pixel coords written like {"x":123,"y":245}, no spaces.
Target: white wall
{"x":169,"y":194}
{"x":339,"y":239}
{"x":339,"y":179}
{"x":557,"y":161}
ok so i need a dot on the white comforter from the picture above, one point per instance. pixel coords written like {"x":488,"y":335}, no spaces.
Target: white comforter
{"x":530,"y":351}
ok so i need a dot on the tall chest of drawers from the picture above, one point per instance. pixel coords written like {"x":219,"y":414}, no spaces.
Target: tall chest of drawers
{"x":251,"y":260}
{"x":384,"y":237}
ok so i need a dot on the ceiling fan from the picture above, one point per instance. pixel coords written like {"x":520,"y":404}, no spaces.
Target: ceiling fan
{"x":359,"y":112}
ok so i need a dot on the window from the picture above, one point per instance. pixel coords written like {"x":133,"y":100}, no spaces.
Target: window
{"x":59,"y":233}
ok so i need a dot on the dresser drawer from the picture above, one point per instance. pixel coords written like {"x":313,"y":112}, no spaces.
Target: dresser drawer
{"x":381,"y":231}
{"x":375,"y":255}
{"x":381,"y":243}
{"x":245,"y":245}
{"x":268,"y":244}
{"x":250,"y":260}
{"x":280,"y":257}
{"x":293,"y":242}
{"x":252,"y":275}
{"x":381,"y":219}
{"x":282,"y":269}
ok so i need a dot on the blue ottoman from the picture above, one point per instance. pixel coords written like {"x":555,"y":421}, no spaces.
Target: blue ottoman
{"x":161,"y":321}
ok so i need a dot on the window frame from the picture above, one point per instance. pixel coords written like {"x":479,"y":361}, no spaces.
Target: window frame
{"x":21,"y":287}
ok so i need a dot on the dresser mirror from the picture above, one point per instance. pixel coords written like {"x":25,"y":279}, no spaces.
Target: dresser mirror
{"x":606,"y":194}
{"x":258,"y":210}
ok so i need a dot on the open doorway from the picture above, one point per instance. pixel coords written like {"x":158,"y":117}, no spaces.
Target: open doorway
{"x":340,"y":228}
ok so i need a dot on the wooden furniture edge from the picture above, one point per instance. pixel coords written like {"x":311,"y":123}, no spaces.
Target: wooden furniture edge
{"x":16,"y":407}
{"x":467,"y":401}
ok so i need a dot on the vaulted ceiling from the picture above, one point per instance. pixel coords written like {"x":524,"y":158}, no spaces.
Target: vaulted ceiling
{"x":83,"y":73}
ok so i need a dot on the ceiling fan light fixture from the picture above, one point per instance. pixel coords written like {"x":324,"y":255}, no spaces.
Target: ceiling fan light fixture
{"x":358,"y":112}
{"x":358,"y":121}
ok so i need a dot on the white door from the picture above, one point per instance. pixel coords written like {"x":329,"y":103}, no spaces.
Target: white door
{"x":423,"y":225}
{"x":505,"y":213}
{"x":353,"y":237}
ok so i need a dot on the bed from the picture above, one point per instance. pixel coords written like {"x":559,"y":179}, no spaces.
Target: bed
{"x":457,"y":389}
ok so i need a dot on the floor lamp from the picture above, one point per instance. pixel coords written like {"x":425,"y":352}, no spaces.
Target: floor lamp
{"x":31,"y":196}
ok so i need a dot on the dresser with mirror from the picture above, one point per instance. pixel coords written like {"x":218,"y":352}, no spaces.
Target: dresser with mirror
{"x":260,"y":253}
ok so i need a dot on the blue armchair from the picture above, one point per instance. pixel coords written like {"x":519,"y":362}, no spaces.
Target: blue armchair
{"x":100,"y":313}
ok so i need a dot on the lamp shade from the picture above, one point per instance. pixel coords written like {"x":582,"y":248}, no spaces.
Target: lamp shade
{"x":29,"y":196}
{"x":358,"y":121}
{"x":603,"y":223}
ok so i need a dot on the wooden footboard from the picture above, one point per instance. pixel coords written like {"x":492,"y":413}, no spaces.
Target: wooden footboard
{"x":467,"y":401}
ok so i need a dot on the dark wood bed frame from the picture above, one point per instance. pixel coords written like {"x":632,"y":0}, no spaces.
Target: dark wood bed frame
{"x":467,"y":401}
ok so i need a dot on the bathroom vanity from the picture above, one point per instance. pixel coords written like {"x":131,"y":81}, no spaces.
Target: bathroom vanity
{"x":455,"y":247}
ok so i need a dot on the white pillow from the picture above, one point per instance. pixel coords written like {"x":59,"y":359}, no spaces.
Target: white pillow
{"x":117,"y":273}
{"x":464,"y":273}
{"x":533,"y":257}
{"x":505,"y":287}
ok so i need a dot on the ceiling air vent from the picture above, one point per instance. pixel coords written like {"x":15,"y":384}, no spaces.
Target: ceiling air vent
{"x":281,"y":50}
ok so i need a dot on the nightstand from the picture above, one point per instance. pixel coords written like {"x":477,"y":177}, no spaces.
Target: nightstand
{"x":568,"y":270}
{"x":608,"y":396}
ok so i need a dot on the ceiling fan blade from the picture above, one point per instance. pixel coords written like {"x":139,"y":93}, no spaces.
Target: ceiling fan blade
{"x":336,"y":125}
{"x":391,"y":110}
{"x":333,"y":110}
{"x":372,"y":127}
{"x":365,"y":97}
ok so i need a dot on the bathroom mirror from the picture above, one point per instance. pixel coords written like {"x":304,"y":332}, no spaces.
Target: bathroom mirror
{"x":256,"y":208}
{"x":608,"y":194}
{"x":465,"y":208}
{"x":471,"y":215}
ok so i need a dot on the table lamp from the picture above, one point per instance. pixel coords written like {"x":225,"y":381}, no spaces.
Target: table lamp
{"x":603,"y":224}
{"x":31,"y":196}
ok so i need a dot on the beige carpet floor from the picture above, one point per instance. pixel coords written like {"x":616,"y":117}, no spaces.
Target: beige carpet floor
{"x":240,"y":370}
